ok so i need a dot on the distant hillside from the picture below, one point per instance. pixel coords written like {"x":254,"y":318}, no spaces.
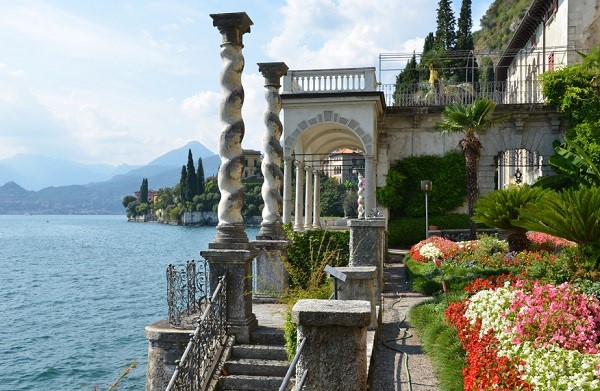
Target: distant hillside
{"x":499,"y":24}
{"x":105,"y":196}
{"x":35,"y":172}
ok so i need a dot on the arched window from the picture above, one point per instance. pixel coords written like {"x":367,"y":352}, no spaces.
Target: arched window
{"x":518,"y":166}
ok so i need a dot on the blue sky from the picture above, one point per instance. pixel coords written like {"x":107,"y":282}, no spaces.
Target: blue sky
{"x":118,"y":81}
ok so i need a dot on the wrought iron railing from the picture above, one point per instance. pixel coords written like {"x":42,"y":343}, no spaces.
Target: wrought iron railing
{"x":186,"y":292}
{"x":440,"y":94}
{"x":292,"y":370}
{"x":193,"y":372}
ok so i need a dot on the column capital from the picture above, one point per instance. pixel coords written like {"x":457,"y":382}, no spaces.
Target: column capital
{"x":298,"y":163}
{"x":232,"y":26}
{"x":272,"y":72}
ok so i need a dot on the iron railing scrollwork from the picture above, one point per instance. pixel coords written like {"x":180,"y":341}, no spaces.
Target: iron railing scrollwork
{"x":186,"y":292}
{"x":202,"y":352}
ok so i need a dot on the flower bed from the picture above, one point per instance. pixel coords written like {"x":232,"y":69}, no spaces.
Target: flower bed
{"x":524,"y":335}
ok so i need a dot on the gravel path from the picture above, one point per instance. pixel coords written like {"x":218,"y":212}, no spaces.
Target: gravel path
{"x":389,"y":372}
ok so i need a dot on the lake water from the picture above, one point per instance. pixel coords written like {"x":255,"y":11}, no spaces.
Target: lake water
{"x":76,"y":293}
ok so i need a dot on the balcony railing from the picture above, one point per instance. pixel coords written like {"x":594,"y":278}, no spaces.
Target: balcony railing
{"x":193,"y":372}
{"x":186,"y":292}
{"x":425,"y":94}
{"x":330,"y":80}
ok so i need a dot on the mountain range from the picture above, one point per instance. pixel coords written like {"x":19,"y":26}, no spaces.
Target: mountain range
{"x":60,"y":186}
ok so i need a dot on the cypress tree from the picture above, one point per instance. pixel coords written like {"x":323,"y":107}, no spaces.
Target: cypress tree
{"x":183,"y":185}
{"x":192,"y":180}
{"x":200,"y":176}
{"x":429,"y":43}
{"x":445,"y":35}
{"x":406,"y":80}
{"x":144,"y":191}
{"x":464,"y":44}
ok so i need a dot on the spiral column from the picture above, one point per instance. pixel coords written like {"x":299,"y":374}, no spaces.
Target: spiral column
{"x":230,"y":228}
{"x":231,"y":254}
{"x":271,"y":226}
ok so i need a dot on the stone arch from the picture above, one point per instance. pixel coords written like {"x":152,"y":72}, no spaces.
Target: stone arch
{"x":330,"y":119}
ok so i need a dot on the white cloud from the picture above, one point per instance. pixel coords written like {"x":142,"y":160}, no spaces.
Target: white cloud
{"x":203,"y":109}
{"x":349,"y":33}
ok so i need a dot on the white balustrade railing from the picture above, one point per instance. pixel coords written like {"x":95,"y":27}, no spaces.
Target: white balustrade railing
{"x":330,"y":80}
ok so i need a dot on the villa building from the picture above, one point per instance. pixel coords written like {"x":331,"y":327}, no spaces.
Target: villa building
{"x":330,"y":109}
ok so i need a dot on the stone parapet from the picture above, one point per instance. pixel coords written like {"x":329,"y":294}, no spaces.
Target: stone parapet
{"x":367,"y":247}
{"x":270,"y":278}
{"x":359,"y":285}
{"x":166,"y":345}
{"x":335,"y":352}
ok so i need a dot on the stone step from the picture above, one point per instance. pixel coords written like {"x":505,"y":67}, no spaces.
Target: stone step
{"x":255,"y":383}
{"x":264,"y":335}
{"x":254,"y":367}
{"x":261,"y":352}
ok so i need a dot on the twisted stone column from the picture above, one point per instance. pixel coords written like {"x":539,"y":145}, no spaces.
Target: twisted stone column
{"x":271,"y":227}
{"x":361,"y":195}
{"x":232,"y":27}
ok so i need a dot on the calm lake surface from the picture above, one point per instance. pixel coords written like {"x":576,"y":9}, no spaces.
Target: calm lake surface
{"x":76,"y":293}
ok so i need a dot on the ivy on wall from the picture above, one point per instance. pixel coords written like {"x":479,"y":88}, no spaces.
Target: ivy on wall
{"x":402,"y":192}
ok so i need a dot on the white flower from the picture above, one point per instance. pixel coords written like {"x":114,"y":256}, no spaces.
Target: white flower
{"x":430,"y":251}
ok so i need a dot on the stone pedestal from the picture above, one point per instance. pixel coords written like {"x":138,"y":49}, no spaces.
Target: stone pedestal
{"x":335,"y":352}
{"x":367,"y":247}
{"x":270,"y":278}
{"x":359,"y":285}
{"x":236,"y":263}
{"x":166,"y":345}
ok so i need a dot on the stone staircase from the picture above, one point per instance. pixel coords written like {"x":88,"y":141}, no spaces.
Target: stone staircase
{"x":258,"y":366}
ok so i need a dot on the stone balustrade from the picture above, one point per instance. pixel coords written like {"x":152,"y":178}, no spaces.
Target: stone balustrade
{"x":330,"y":80}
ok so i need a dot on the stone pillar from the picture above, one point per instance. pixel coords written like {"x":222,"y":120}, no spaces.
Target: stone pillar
{"x":299,"y":211}
{"x":367,"y":238}
{"x":237,"y":265}
{"x":335,"y":352}
{"x":231,"y":253}
{"x":287,"y":190}
{"x":271,"y":278}
{"x":166,"y":345}
{"x":370,"y":185}
{"x":271,"y":227}
{"x":359,"y":285}
{"x":232,"y":27}
{"x":317,"y":200}
{"x":309,"y":198}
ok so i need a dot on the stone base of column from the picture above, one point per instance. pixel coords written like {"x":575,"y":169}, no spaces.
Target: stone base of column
{"x":237,"y":265}
{"x":166,"y":345}
{"x":228,"y":234}
{"x":271,"y":231}
{"x":271,"y":278}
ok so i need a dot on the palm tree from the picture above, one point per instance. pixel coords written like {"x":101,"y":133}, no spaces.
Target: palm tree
{"x":470,"y":120}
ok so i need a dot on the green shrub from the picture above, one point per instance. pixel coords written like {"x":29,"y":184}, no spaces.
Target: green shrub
{"x":308,"y":254}
{"x":571,"y":214}
{"x":310,"y":251}
{"x":501,"y":209}
{"x":402,"y":192}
